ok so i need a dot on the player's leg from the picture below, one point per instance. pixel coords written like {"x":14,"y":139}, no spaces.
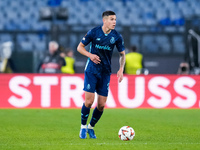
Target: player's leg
{"x":85,"y":111}
{"x":102,"y":90}
{"x":97,"y":113}
{"x":89,"y":88}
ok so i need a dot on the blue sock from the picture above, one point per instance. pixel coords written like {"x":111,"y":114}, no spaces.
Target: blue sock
{"x":85,"y":111}
{"x":95,"y":116}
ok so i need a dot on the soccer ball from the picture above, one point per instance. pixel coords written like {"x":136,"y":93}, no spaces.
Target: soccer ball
{"x":126,"y":133}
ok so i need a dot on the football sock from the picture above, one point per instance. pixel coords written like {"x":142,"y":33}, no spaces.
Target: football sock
{"x":95,"y":116}
{"x":84,"y":114}
{"x":90,"y":127}
{"x":83,"y":126}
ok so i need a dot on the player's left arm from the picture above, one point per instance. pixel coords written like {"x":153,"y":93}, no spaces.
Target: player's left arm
{"x":121,"y":68}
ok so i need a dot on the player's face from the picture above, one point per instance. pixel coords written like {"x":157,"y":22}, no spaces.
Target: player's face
{"x":110,"y":21}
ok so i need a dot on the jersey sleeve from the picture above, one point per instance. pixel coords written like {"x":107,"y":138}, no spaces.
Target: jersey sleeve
{"x":87,"y":38}
{"x":120,"y":44}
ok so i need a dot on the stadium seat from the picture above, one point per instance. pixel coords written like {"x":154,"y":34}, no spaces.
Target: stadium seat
{"x":26,"y":46}
{"x":176,"y":17}
{"x":148,"y":44}
{"x":1,"y":26}
{"x":150,"y":48}
{"x":179,"y":48}
{"x":165,"y":22}
{"x":63,"y":40}
{"x":135,"y":40}
{"x":24,"y":26}
{"x":34,"y":37}
{"x":40,"y":46}
{"x":21,"y":37}
{"x":138,"y":21}
{"x":10,"y":26}
{"x":178,"y":44}
{"x":11,"y":14}
{"x":160,"y":39}
{"x":133,"y":13}
{"x":171,"y":29}
{"x":187,"y":12}
{"x":178,"y":0}
{"x":74,"y":40}
{"x":6,"y":37}
{"x":161,"y":14}
{"x":138,"y":11}
{"x":165,"y":48}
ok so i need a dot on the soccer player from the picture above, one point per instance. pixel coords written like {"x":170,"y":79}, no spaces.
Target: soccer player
{"x":103,"y":39}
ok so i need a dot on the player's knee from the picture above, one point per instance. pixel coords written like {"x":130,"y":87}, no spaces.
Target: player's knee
{"x":88,"y":103}
{"x":100,"y":107}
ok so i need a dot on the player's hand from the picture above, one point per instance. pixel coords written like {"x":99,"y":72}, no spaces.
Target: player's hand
{"x":95,"y":58}
{"x":120,"y":75}
{"x":62,"y":55}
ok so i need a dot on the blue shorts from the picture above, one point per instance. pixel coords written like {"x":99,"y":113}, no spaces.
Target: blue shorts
{"x":96,"y":83}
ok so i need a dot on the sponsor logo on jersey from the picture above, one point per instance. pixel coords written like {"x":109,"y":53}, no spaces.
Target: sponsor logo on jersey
{"x":106,"y":47}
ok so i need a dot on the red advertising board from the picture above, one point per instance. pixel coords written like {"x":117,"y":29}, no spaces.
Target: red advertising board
{"x":66,"y":91}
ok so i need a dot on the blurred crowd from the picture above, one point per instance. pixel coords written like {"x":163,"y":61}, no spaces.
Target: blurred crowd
{"x":56,"y":59}
{"x":61,"y":60}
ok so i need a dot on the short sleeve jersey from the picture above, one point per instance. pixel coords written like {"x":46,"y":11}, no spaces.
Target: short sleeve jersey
{"x":102,"y":45}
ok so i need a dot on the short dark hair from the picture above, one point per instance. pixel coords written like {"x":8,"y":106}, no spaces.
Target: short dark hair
{"x":108,"y":13}
{"x":133,"y":48}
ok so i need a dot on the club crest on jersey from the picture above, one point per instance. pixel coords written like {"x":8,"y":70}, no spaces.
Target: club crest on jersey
{"x":112,"y":40}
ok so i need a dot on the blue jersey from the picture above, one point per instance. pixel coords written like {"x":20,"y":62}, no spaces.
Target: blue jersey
{"x":102,"y":45}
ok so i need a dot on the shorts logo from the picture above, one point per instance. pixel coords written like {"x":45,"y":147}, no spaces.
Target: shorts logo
{"x":88,"y":86}
{"x":108,"y":86}
{"x":112,"y":40}
{"x":98,"y":39}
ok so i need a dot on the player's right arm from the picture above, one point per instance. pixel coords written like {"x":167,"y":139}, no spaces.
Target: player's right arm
{"x":81,"y":49}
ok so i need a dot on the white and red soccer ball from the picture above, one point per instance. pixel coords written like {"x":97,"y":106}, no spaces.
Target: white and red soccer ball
{"x":126,"y":133}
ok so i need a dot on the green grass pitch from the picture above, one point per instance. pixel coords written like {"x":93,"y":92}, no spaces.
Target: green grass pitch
{"x":58,"y":129}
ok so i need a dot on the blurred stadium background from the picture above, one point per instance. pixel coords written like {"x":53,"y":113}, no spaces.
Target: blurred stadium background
{"x":165,"y":31}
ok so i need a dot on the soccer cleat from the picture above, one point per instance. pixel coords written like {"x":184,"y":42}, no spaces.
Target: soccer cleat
{"x":91,"y":133}
{"x":83,"y":133}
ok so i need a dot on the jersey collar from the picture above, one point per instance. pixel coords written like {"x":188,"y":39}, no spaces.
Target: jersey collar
{"x":105,"y":33}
